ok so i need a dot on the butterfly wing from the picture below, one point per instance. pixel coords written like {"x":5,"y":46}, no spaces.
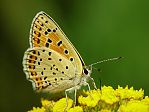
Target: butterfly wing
{"x":45,"y":32}
{"x":48,"y":70}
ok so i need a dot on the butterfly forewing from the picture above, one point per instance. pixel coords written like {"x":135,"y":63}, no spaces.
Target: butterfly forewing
{"x":48,"y":70}
{"x":45,"y":32}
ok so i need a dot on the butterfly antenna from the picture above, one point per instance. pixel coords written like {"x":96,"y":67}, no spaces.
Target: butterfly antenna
{"x":111,"y":59}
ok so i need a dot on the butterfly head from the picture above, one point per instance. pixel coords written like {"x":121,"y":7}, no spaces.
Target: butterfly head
{"x":87,"y":70}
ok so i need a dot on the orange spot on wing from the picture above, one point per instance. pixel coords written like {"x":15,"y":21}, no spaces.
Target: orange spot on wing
{"x":31,"y":61}
{"x":55,"y":48}
{"x":31,"y":66}
{"x":54,"y":38}
{"x":60,"y":49}
{"x":33,"y":57}
{"x":39,"y":41}
{"x":33,"y":73}
{"x":35,"y":39}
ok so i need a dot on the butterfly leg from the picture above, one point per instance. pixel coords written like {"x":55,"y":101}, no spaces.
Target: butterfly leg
{"x":87,"y":84}
{"x":66,"y":100}
{"x":94,"y":84}
{"x":75,"y":97}
{"x":69,"y":90}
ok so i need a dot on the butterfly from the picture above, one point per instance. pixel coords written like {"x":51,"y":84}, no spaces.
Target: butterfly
{"x":52,"y":63}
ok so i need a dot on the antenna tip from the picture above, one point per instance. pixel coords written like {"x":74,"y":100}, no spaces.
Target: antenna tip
{"x":120,"y":57}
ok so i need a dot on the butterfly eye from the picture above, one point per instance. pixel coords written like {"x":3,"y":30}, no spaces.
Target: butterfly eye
{"x":85,"y":71}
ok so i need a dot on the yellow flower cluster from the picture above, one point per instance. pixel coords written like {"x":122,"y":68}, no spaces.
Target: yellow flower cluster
{"x":105,"y":100}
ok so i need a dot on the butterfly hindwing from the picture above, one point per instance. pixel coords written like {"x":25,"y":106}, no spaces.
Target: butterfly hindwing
{"x":46,"y":33}
{"x":48,"y":70}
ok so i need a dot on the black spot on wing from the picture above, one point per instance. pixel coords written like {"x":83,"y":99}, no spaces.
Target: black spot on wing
{"x":59,"y":43}
{"x":66,"y":51}
{"x":47,"y":44}
{"x":49,"y":40}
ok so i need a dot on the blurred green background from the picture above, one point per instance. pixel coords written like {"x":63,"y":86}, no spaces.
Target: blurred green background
{"x":99,"y":29}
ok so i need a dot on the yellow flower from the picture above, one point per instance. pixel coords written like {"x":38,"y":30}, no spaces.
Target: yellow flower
{"x":108,"y":95}
{"x":91,"y":99}
{"x":42,"y":109}
{"x":60,"y":105}
{"x":105,"y":100}
{"x":75,"y":109}
{"x":126,"y":93}
{"x":105,"y":110}
{"x":45,"y":102}
{"x":146,"y":100}
{"x":134,"y":106}
{"x":48,"y":105}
